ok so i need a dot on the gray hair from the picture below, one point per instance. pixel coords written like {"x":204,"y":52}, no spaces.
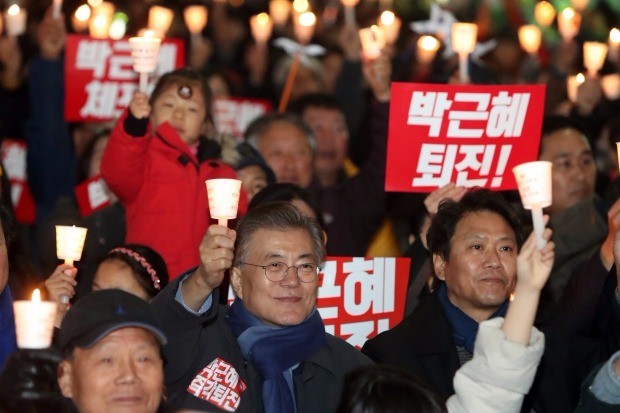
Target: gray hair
{"x":278,"y":216}
{"x":262,"y":124}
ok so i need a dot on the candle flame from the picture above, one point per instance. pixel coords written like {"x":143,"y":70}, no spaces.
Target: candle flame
{"x":13,"y":10}
{"x":428,"y":43}
{"x":100,"y":21}
{"x":262,"y":19}
{"x":568,"y":13}
{"x":36,"y":296}
{"x":544,"y":13}
{"x":82,"y":13}
{"x":95,"y":3}
{"x":387,"y":18}
{"x":301,"y":6}
{"x":614,"y":36}
{"x":307,"y":19}
{"x":580,"y":78}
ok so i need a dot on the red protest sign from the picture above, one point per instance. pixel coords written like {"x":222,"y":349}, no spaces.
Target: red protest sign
{"x":472,"y":135}
{"x":99,"y":76}
{"x":92,"y":195}
{"x":13,"y":154}
{"x":233,"y":115}
{"x":361,"y":297}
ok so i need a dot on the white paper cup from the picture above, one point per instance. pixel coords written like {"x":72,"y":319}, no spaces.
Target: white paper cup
{"x":534,"y":181}
{"x":34,"y":323}
{"x":70,"y":242}
{"x":144,"y":51}
{"x":223,"y":197}
{"x":373,"y":41}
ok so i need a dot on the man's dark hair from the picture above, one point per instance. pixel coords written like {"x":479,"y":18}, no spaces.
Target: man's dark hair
{"x":316,"y":100}
{"x":450,"y":213}
{"x":286,"y":192}
{"x":386,"y":389}
{"x":556,"y":123}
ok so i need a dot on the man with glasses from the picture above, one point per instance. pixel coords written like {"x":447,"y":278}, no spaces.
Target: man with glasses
{"x":270,"y":352}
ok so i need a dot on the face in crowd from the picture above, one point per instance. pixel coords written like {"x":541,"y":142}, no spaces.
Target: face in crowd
{"x":122,"y":372}
{"x":184,"y":106}
{"x":574,"y":170}
{"x":288,"y":153}
{"x":332,"y":138}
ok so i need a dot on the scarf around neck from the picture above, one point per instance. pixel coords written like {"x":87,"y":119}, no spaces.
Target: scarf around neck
{"x":464,"y":328}
{"x":8,"y":342}
{"x":274,"y":350}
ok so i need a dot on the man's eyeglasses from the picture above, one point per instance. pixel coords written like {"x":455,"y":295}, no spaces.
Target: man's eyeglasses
{"x":276,"y":271}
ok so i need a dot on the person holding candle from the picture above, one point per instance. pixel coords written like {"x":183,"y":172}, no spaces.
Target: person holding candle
{"x":134,"y":268}
{"x":474,"y":244}
{"x":157,"y":161}
{"x":272,"y":340}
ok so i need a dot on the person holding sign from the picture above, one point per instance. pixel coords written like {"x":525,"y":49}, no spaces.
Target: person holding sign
{"x":272,"y":341}
{"x":157,"y":162}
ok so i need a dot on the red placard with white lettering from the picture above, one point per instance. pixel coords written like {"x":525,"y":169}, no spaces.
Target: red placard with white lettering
{"x":99,"y":76}
{"x":92,"y":195}
{"x":472,"y":135}
{"x":361,"y":297}
{"x":14,"y":161}
{"x":233,"y":115}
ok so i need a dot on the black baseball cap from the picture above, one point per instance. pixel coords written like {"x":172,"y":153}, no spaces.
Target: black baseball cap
{"x":101,"y":312}
{"x":251,"y":157}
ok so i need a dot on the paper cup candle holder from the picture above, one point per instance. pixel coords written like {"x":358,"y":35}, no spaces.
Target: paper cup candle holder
{"x":223,"y":199}
{"x":69,"y":246}
{"x":34,"y":322}
{"x":463,"y":38}
{"x":144,"y":51}
{"x":534,"y":181}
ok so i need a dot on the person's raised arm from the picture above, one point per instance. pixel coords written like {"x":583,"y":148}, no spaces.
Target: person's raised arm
{"x":533,"y":269}
{"x":216,"y":257}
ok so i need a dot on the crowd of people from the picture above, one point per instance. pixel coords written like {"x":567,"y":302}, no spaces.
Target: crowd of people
{"x":492,"y":322}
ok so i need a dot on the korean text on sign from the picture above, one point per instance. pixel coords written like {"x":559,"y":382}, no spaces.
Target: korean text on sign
{"x":468,"y":134}
{"x":219,"y":384}
{"x":99,"y":76}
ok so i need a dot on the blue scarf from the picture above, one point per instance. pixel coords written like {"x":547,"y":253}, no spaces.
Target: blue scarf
{"x":8,"y":342}
{"x":274,"y":350}
{"x":464,"y":328}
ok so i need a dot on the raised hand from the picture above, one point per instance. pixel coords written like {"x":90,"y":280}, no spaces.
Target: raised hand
{"x":216,"y":257}
{"x":51,"y":35}
{"x":378,"y":74}
{"x":534,"y":266}
{"x":61,"y":284}
{"x":139,"y":105}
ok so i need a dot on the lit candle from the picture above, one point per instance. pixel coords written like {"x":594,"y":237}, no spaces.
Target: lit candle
{"x":569,"y":22}
{"x":301,"y":6}
{"x":223,"y":199}
{"x":614,"y":44}
{"x":261,"y":26}
{"x":103,"y":7}
{"x":534,"y":182}
{"x":594,"y":54}
{"x":144,"y":52}
{"x":56,"y":8}
{"x":195,"y":18}
{"x":427,"y":49}
{"x":373,"y":41}
{"x":15,"y":21}
{"x":579,"y":4}
{"x":69,"y":243}
{"x":544,"y":13}
{"x":279,"y":11}
{"x":530,"y":38}
{"x":99,"y":26}
{"x":160,"y":19}
{"x":463,"y":43}
{"x":349,"y":11}
{"x":80,"y":18}
{"x":34,"y":322}
{"x":390,"y":24}
{"x":611,"y":86}
{"x":118,"y":27}
{"x":304,"y":27}
{"x":572,"y":84}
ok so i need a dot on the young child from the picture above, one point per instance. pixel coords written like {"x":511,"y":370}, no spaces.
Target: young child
{"x":157,"y":161}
